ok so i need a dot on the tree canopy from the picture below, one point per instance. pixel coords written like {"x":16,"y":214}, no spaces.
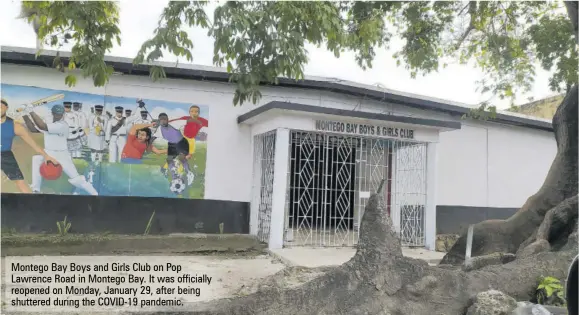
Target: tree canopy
{"x":259,"y":41}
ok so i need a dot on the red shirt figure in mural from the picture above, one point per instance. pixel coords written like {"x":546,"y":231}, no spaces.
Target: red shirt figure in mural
{"x":192,"y":127}
{"x":138,"y":143}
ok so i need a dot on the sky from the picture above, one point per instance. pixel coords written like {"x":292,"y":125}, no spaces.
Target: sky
{"x":138,"y":19}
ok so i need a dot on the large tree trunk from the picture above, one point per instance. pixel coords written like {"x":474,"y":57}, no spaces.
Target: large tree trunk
{"x":379,"y":280}
{"x":507,"y":236}
{"x":560,"y":184}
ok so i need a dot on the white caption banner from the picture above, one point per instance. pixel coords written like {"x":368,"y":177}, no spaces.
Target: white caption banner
{"x":103,"y":283}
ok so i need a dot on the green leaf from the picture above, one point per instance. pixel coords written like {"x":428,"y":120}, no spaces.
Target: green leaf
{"x":549,"y":291}
{"x":70,"y":80}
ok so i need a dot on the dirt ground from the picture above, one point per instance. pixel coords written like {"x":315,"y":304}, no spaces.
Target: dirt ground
{"x":238,"y":264}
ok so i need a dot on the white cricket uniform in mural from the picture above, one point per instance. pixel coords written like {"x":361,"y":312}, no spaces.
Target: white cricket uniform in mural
{"x":140,"y":121}
{"x":56,"y":145}
{"x":74,"y":141}
{"x":117,"y":139}
{"x":83,"y":125}
{"x":96,"y":136}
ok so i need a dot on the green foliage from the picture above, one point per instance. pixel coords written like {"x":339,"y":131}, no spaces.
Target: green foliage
{"x":91,"y":25}
{"x":63,"y":227}
{"x":258,"y":42}
{"x":550,"y":291}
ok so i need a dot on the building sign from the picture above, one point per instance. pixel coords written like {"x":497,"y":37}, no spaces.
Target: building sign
{"x":364,"y":129}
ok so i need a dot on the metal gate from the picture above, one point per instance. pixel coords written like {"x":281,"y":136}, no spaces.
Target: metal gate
{"x":410,"y":192}
{"x":331,"y":178}
{"x":263,"y":167}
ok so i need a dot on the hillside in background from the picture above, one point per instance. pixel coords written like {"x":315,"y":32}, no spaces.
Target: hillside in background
{"x":544,"y":108}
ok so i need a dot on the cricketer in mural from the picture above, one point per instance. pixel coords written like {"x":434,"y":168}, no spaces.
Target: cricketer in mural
{"x":10,"y":168}
{"x":103,"y":145}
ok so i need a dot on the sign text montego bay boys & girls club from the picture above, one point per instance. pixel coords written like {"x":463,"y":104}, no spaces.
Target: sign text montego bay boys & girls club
{"x":363,"y":129}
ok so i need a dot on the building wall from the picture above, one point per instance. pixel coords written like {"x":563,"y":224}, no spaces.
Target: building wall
{"x":487,"y":171}
{"x":481,"y":165}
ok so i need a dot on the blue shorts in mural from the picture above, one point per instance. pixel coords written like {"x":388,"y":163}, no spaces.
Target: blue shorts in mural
{"x":131,"y":161}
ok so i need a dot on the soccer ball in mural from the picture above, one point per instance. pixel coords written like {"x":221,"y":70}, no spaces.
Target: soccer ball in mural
{"x":177,"y":186}
{"x":190,"y":178}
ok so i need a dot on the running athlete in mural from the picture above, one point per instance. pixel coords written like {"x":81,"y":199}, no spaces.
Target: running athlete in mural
{"x":192,"y":127}
{"x":139,"y":142}
{"x":56,"y":134}
{"x":10,"y":167}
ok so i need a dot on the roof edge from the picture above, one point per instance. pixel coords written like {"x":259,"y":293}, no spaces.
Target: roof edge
{"x":27,"y":56}
{"x":296,"y":107}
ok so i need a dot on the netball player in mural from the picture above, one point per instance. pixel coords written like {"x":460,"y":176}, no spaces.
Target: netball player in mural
{"x":10,"y":167}
{"x":56,"y":135}
{"x":139,"y":142}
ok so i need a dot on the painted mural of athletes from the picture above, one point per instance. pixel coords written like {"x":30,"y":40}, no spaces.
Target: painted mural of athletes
{"x":74,"y":140}
{"x":96,"y":137}
{"x":139,"y":142}
{"x":154,"y":157}
{"x":56,"y":137}
{"x":10,"y":167}
{"x":143,"y":118}
{"x":82,"y":120}
{"x":116,"y":135}
{"x":192,"y":127}
{"x":177,"y":153}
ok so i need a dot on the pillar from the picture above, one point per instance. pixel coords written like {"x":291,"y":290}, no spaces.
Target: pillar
{"x":430,"y":211}
{"x":280,"y":188}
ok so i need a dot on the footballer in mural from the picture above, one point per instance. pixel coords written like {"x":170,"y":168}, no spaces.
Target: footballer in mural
{"x":61,"y":142}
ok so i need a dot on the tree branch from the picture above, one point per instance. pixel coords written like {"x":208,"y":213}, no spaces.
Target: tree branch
{"x":470,"y":28}
{"x":572,"y":8}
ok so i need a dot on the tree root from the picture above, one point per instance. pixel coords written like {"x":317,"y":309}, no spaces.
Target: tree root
{"x":487,"y":260}
{"x":556,"y":227}
{"x":380,"y":280}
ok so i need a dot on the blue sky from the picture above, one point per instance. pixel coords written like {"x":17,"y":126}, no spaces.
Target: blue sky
{"x":19,"y":95}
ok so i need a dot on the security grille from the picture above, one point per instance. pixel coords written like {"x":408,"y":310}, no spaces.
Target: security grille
{"x":410,"y":192}
{"x":331,"y":178}
{"x":264,"y":153}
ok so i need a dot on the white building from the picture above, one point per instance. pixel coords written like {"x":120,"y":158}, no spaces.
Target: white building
{"x":306,"y":158}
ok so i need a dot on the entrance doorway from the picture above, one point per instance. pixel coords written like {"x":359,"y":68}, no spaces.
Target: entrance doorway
{"x":331,"y":178}
{"x":321,"y":196}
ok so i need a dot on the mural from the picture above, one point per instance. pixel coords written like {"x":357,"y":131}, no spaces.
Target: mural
{"x":60,"y":142}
